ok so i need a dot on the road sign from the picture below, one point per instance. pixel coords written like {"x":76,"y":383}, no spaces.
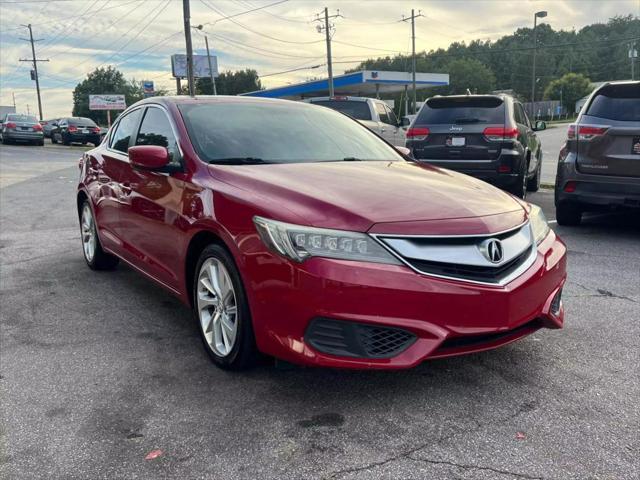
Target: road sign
{"x":107,"y":102}
{"x":200,"y":66}
{"x":147,"y":88}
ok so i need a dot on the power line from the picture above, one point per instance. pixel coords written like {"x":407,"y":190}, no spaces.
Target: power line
{"x":241,"y":25}
{"x":227,"y":17}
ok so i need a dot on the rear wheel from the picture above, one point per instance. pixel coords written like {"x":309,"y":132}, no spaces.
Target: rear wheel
{"x":533,"y":185}
{"x":519,"y":189}
{"x":5,"y":141}
{"x":95,"y":256}
{"x":65,"y":140}
{"x":568,"y":214}
{"x":221,"y":310}
{"x":53,"y":138}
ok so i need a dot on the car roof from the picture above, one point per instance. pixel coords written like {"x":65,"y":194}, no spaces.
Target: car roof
{"x":213,"y":99}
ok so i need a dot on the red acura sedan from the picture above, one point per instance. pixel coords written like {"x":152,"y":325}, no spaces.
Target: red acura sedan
{"x":292,"y":230}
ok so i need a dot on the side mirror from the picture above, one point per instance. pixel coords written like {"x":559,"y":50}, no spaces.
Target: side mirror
{"x":149,"y":157}
{"x":403,"y":150}
{"x":405,"y":122}
{"x":540,"y":125}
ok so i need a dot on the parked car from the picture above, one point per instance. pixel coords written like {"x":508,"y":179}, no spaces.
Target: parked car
{"x":313,"y":240}
{"x":76,"y":130}
{"x":407,"y":120}
{"x":599,"y":167}
{"x":486,"y":136}
{"x":21,"y":128}
{"x":370,"y":112}
{"x":48,"y":125}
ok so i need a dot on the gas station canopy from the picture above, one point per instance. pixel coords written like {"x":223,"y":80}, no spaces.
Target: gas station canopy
{"x":365,"y":83}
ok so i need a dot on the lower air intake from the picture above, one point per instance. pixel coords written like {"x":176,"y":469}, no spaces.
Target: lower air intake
{"x":350,"y":339}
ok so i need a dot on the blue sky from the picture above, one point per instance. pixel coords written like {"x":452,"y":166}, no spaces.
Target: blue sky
{"x":139,"y":36}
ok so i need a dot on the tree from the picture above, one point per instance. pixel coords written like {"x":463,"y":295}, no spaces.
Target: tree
{"x":105,"y":81}
{"x":230,"y":83}
{"x":570,"y":88}
{"x":468,"y":73}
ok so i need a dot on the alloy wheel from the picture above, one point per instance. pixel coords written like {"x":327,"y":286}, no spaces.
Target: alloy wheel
{"x":88,"y":231}
{"x":217,"y":307}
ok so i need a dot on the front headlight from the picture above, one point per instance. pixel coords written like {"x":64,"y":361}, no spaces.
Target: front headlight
{"x":539,"y":225}
{"x":299,"y":242}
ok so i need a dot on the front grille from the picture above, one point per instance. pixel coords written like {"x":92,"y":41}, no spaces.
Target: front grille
{"x":351,"y":339}
{"x":465,"y":257}
{"x":471,"y":272}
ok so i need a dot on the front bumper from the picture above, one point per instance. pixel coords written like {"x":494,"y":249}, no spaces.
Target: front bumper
{"x":447,"y":317}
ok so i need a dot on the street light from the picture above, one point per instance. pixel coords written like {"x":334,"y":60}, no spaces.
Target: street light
{"x":206,"y":42}
{"x":540,"y":14}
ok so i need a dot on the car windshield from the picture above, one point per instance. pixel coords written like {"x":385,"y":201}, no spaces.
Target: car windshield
{"x":356,"y":109}
{"x":21,"y":118}
{"x":461,"y":110}
{"x":279,"y":132}
{"x":617,"y":102}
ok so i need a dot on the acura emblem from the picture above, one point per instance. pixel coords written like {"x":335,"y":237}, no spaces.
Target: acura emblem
{"x":492,"y":250}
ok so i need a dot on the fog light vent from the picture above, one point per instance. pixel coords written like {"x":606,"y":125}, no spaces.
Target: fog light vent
{"x":556,"y":303}
{"x":350,"y":339}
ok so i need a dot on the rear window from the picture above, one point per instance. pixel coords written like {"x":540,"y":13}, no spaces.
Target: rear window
{"x":82,"y":121}
{"x":617,"y":102}
{"x":461,"y":110}
{"x":357,"y":110}
{"x":21,"y":118}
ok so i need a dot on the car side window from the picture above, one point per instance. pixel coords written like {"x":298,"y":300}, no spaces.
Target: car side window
{"x":393,"y":120}
{"x":124,"y":130}
{"x":382,"y":113}
{"x":527,"y":122}
{"x":156,"y":130}
{"x":517,"y":113}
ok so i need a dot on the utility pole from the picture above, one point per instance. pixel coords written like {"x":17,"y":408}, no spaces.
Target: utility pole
{"x":633,"y":54}
{"x":537,"y":15}
{"x":327,"y":30}
{"x":413,"y":54}
{"x":34,"y":61}
{"x":186,"y":13}
{"x":14,"y":99}
{"x":213,"y":80}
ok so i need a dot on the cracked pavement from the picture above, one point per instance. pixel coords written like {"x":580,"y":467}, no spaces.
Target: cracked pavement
{"x":97,"y":370}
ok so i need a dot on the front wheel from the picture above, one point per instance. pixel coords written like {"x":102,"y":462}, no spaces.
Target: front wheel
{"x":95,"y":256}
{"x":221,"y":310}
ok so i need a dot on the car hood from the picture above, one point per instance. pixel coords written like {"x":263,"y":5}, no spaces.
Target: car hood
{"x":358,"y":195}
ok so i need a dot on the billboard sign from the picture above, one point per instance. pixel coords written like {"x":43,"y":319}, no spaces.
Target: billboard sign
{"x":148,"y":89}
{"x":107,"y":102}
{"x":200,"y":66}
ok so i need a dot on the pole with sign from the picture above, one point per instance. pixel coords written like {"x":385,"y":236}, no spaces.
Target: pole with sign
{"x":108,"y":103}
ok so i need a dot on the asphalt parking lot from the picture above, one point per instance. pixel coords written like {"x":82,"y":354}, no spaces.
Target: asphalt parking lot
{"x":98,"y":370}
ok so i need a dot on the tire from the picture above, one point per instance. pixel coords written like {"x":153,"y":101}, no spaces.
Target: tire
{"x":519,"y":189}
{"x":228,"y":348}
{"x":94,"y":255}
{"x":568,"y":214}
{"x":533,"y":185}
{"x":5,"y":141}
{"x":64,"y":140}
{"x":53,"y":138}
{"x":40,"y":143}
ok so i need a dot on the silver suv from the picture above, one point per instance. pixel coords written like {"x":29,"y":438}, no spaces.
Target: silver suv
{"x":599,"y":167}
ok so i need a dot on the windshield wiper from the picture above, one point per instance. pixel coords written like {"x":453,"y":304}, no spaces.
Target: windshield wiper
{"x":467,"y":120}
{"x":239,"y":161}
